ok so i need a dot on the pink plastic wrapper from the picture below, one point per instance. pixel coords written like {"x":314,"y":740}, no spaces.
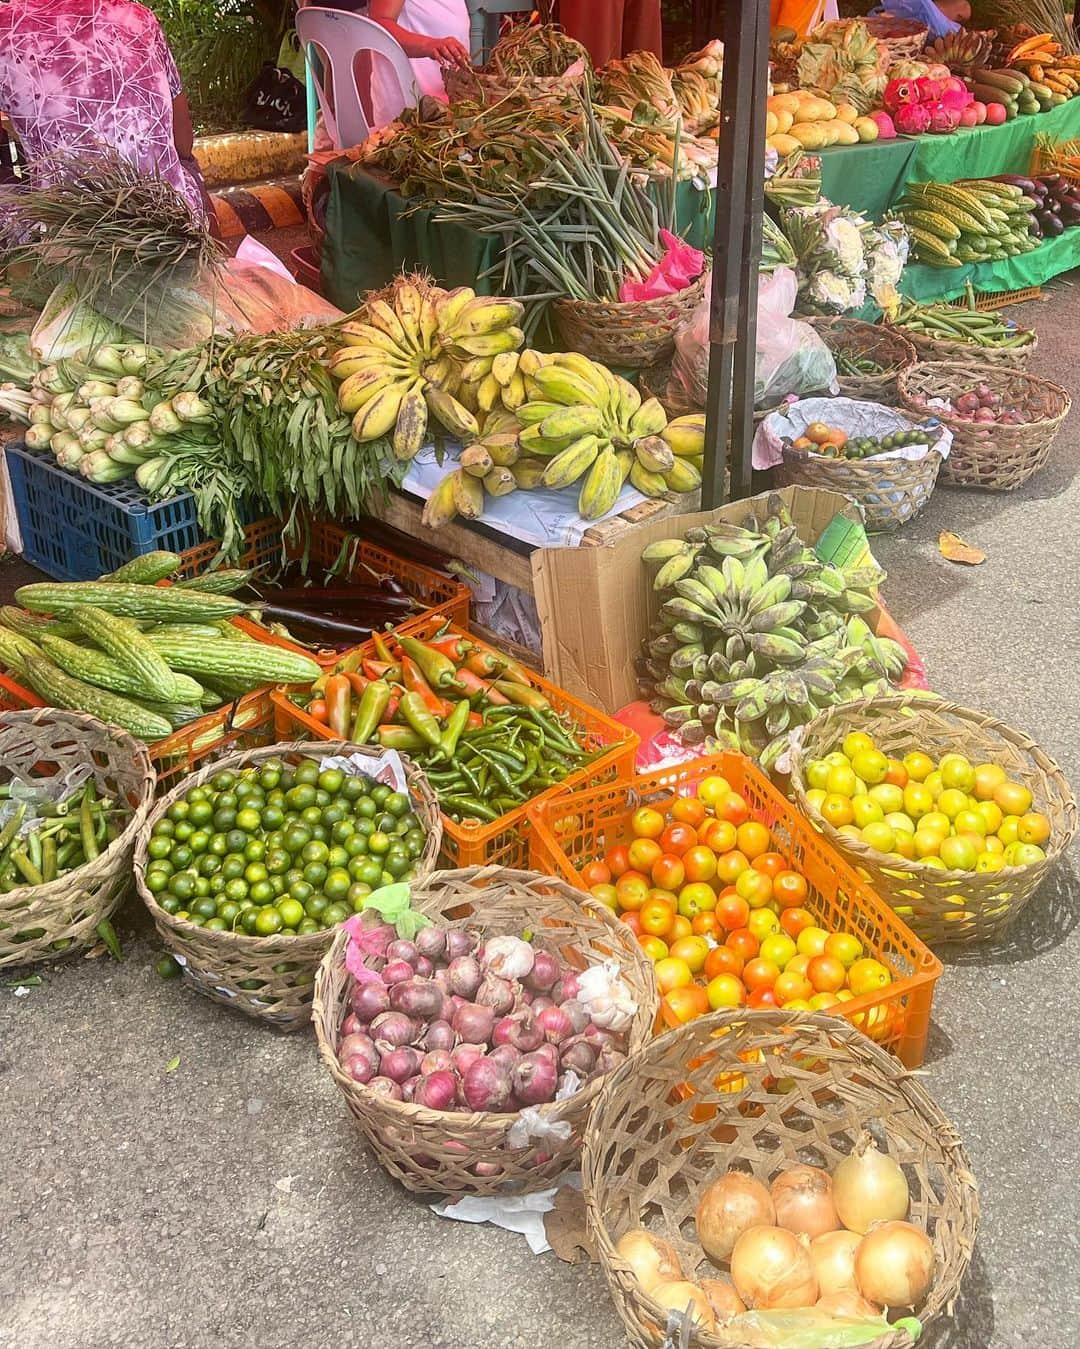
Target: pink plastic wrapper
{"x":680,"y":265}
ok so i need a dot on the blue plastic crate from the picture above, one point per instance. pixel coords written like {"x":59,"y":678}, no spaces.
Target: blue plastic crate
{"x":75,"y":530}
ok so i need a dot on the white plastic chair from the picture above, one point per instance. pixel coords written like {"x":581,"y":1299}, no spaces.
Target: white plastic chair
{"x":339,"y":36}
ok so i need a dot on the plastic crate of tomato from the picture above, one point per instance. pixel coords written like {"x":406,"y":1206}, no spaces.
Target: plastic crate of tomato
{"x":692,"y":872}
{"x":502,"y":841}
{"x":352,"y":558}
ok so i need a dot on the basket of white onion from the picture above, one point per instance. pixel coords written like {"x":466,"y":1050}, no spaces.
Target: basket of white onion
{"x":775,"y":1180}
{"x":471,"y":1051}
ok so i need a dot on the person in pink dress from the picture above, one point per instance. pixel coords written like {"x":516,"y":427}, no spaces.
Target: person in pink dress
{"x":80,"y":76}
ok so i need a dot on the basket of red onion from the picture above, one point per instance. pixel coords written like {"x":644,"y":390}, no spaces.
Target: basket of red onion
{"x":471,"y":1053}
{"x":775,"y":1178}
{"x":1003,"y":421}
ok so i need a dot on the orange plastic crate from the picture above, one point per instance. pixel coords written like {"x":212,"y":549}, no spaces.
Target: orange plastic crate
{"x":504,"y":842}
{"x":329,"y":545}
{"x":571,"y":829}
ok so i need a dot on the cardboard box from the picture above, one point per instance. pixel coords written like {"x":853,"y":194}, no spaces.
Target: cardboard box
{"x":596,"y":604}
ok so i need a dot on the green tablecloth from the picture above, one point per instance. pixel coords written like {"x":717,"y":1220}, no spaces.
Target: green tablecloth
{"x":1051,"y":258}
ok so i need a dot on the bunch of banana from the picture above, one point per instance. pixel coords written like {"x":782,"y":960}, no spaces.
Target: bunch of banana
{"x":756,"y":635}
{"x":406,"y":355}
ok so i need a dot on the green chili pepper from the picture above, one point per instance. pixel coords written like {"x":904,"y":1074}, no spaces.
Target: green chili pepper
{"x":107,"y":933}
{"x":400,"y":738}
{"x":413,"y":709}
{"x":455,"y":724}
{"x":11,"y":828}
{"x":373,"y":703}
{"x":466,"y":806}
{"x":439,"y":670}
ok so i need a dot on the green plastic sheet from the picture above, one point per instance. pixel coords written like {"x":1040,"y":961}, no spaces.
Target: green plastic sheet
{"x":1050,"y":259}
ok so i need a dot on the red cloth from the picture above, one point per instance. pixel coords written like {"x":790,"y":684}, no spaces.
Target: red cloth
{"x":611,"y":28}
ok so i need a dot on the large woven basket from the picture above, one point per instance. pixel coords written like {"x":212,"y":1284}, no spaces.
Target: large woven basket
{"x":659,"y":381}
{"x":441,"y":1152}
{"x":44,"y":922}
{"x":632,"y":334}
{"x":854,"y":338}
{"x":897,"y":39}
{"x":270,"y":978}
{"x":995,"y":458}
{"x":942,"y":906}
{"x":761,"y":1091}
{"x":942,"y":349}
{"x":889,"y":492}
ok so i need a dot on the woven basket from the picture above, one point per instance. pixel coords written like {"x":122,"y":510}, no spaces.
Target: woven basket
{"x":897,"y":39}
{"x":63,"y":915}
{"x":437,"y":1152}
{"x":942,"y":906}
{"x":632,"y":335}
{"x":486,"y":86}
{"x":889,"y":492}
{"x":995,"y":458}
{"x":886,"y":346}
{"x":941,"y":349}
{"x":659,"y":381}
{"x":271,"y":978}
{"x":761,"y":1091}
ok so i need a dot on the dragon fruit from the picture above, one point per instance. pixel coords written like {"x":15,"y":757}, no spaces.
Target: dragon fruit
{"x":912,"y":119}
{"x":898,"y":93}
{"x":942,"y":119}
{"x":886,"y":127}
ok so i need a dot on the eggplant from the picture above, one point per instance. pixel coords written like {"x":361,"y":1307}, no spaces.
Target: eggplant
{"x":345,"y":597}
{"x":1026,"y":185}
{"x":404,"y":545}
{"x":1052,"y":225}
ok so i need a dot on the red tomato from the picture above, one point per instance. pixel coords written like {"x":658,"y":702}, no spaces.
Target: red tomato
{"x":595,"y":873}
{"x":687,"y":1003}
{"x":732,"y":910}
{"x":617,"y":860}
{"x":678,"y":839}
{"x":668,"y":872}
{"x":632,"y":889}
{"x":732,"y":807}
{"x":762,"y":997}
{"x":633,"y":921}
{"x":771,"y":863}
{"x":743,"y":942}
{"x":790,"y":890}
{"x":687,"y":810}
{"x":758,"y":973}
{"x":706,"y":924}
{"x":723,"y":960}
{"x":792,"y":921}
{"x":700,"y":863}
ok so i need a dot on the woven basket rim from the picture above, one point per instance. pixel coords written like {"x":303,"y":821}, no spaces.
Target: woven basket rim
{"x":993,"y":355}
{"x":660,"y":306}
{"x":862,"y":329}
{"x":1056,"y":846}
{"x":89,"y":871}
{"x":986,"y":373}
{"x":306,"y":944}
{"x":409,"y":1111}
{"x":866,"y":1054}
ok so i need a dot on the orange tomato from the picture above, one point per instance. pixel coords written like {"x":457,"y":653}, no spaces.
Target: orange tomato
{"x":753,"y":839}
{"x":725,"y":990}
{"x":732,"y":910}
{"x":656,"y":916}
{"x":790,"y":890}
{"x":798,"y":964}
{"x":842,"y":946}
{"x":685,"y":1004}
{"x":700,"y":863}
{"x":617,"y":860}
{"x":818,"y":433}
{"x":719,"y":835}
{"x":791,"y":985}
{"x":1012,"y":798}
{"x":837,"y":438}
{"x":1033,"y":828}
{"x":755,"y":888}
{"x":606,"y":894}
{"x":771,"y":863}
{"x":826,"y":973}
{"x":654,"y":947}
{"x":687,"y":810}
{"x":802,"y":443}
{"x":678,"y":839}
{"x":633,"y":922}
{"x":706,"y":924}
{"x":896,"y":775}
{"x":793,"y":921}
{"x":642,"y":853}
{"x":730,"y":866}
{"x":723,"y":960}
{"x":743,"y":942}
{"x":761,"y":997}
{"x":758,"y":973}
{"x":647,"y":823}
{"x":693,"y":950}
{"x":867,"y":976}
{"x":672,"y":973}
{"x":632,"y":889}
{"x":595,"y":873}
{"x":668,"y":872}
{"x":695,"y":898}
{"x":680,"y":927}
{"x":657,"y":893}
{"x":733,"y":808}
{"x":836,"y":810}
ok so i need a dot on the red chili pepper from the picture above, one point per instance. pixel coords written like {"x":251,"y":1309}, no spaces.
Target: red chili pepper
{"x":474,"y":721}
{"x":483,"y":663}
{"x":338,"y":704}
{"x":416,"y":683}
{"x":470,"y":684}
{"x":457,"y":648}
{"x":392,"y":706}
{"x":357,"y":682}
{"x":379,"y":669}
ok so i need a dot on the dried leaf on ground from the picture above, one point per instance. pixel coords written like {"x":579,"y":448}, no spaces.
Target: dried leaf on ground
{"x":173,"y":1064}
{"x":564,"y":1226}
{"x":953,"y":547}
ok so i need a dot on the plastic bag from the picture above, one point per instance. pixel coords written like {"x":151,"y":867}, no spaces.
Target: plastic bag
{"x":791,"y":357}
{"x":852,"y":415}
{"x":807,"y":1328}
{"x":680,"y":265}
{"x":920,"y":11}
{"x":275,"y":101}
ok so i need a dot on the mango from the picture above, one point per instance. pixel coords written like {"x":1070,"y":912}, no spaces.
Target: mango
{"x":784,"y":144}
{"x":867,"y":128}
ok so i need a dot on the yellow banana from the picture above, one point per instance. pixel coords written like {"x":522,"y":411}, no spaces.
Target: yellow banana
{"x":441,"y":371}
{"x":350,"y":360}
{"x":408,"y":303}
{"x":370,"y":335}
{"x":503,"y":454}
{"x":361,"y":388}
{"x":528,"y":473}
{"x":629,"y":400}
{"x":683,"y":476}
{"x":440,"y":507}
{"x":686,"y":435}
{"x":651,"y":484}
{"x":450,"y":304}
{"x":499,"y":420}
{"x":649,"y":420}
{"x":626,"y":462}
{"x":499,"y":482}
{"x":561,"y":385}
{"x":567,"y":466}
{"x":513,"y":396}
{"x":378,"y":415}
{"x":487,"y":344}
{"x":381,"y":316}
{"x":504,"y":366}
{"x":468,"y":495}
{"x":589,"y":370}
{"x":454,"y":416}
{"x":533,"y":413}
{"x":477,"y":367}
{"x":579,"y":420}
{"x":654,"y":455}
{"x":488,"y":393}
{"x":411,"y":425}
{"x":530,"y":361}
{"x":476,"y":459}
{"x":485,"y":314}
{"x":601,"y":487}
{"x":429,"y":317}
{"x":533,"y":442}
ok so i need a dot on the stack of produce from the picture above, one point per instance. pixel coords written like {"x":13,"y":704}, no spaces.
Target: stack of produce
{"x":280,"y":850}
{"x":486,"y":738}
{"x":979,"y":220}
{"x":803,"y":120}
{"x":43,"y":838}
{"x":843,"y":61}
{"x":949,"y":813}
{"x":1011,"y":93}
{"x":981,"y":405}
{"x":755,"y":634}
{"x":1042,"y":59}
{"x":939,"y":106}
{"x":842,"y":257}
{"x":832,"y":442}
{"x":1057,"y":201}
{"x":966,"y":326}
{"x":811,"y":1258}
{"x":724,"y":917}
{"x":149,"y":659}
{"x":963,"y":51}
{"x":458,"y":1022}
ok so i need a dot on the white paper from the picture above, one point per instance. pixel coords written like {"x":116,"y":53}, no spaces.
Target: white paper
{"x":513,"y":1213}
{"x":386,"y":767}
{"x":855,"y":417}
{"x":540,"y":517}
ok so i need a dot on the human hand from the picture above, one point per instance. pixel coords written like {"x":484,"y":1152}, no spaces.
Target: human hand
{"x":448,"y":51}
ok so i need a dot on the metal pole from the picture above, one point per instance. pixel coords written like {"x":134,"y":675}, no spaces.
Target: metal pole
{"x":736,"y":252}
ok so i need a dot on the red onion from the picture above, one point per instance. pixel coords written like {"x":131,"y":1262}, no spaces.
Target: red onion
{"x":394,"y":1028}
{"x":424,"y":967}
{"x":353,"y":1025}
{"x":550,"y":1051}
{"x":436,"y":1060}
{"x":431,"y":942}
{"x":567,"y":987}
{"x":526,"y":996}
{"x":520,"y":1030}
{"x":545,"y":971}
{"x":385,"y":1086}
{"x":377,"y":936}
{"x":368,"y":1000}
{"x":442,"y":978}
{"x":534,"y":1079}
{"x":437,"y":1091}
{"x":555,"y":1024}
{"x":541,"y":1001}
{"x":356,"y":1043}
{"x":464,"y":1056}
{"x":596,"y":1035}
{"x":459,"y":943}
{"x":609,"y":1059}
{"x":485,"y":1169}
{"x":362,"y":1067}
{"x":417,"y":998}
{"x":486,"y":1086}
{"x":394,"y":971}
{"x":496,"y":993}
{"x":400,"y":1064}
{"x":474,"y":1023}
{"x":439,"y":1035}
{"x":408,"y":1089}
{"x":400,"y":949}
{"x":579,"y":1056}
{"x":465,"y":976}
{"x":577,"y":1014}
{"x":505,"y":1054}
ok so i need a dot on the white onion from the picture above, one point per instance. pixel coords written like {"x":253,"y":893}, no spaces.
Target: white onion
{"x":869,"y":1187}
{"x":847,"y":1303}
{"x":723,"y":1298}
{"x":678,"y":1295}
{"x":894,"y":1265}
{"x":804,"y":1201}
{"x":833,"y":1258}
{"x":652,"y":1259}
{"x":728,"y":1207}
{"x":771,"y":1268}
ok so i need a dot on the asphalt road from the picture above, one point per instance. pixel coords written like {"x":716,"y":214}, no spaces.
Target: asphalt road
{"x":228,"y":1203}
